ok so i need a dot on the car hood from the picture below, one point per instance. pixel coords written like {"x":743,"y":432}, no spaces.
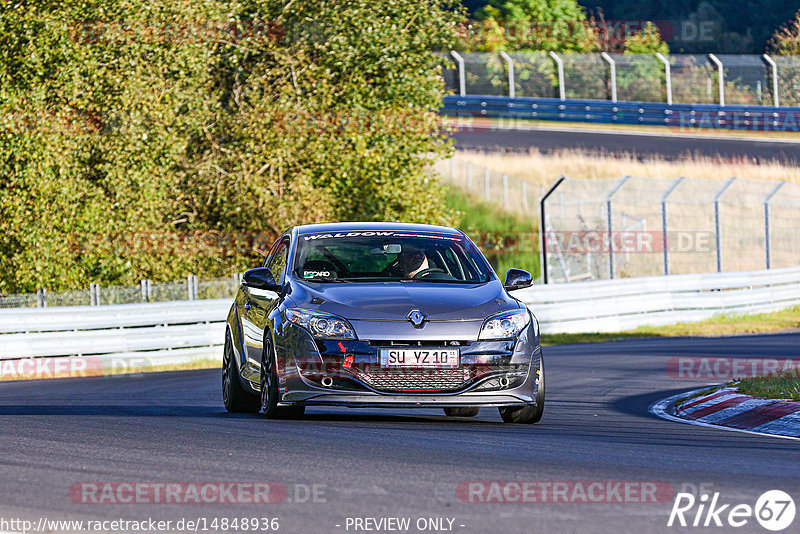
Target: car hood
{"x":392,"y":301}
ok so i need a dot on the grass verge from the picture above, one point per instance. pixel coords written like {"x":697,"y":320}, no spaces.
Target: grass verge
{"x":784,"y":385}
{"x":719,"y":325}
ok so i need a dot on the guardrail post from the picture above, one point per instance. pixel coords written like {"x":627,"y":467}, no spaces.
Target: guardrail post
{"x":41,"y":298}
{"x":543,"y":232}
{"x":665,"y":243}
{"x":487,"y":183}
{"x":505,"y":191}
{"x":767,"y":247}
{"x":609,"y":220}
{"x":716,"y":221}
{"x":510,"y":63}
{"x":774,"y":68}
{"x":667,"y":76}
{"x":562,"y":92}
{"x":721,"y":71}
{"x":462,"y":80}
{"x":612,"y":65}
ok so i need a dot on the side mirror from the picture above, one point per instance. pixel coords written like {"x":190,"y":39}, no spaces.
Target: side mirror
{"x":517,"y":279}
{"x":260,"y":278}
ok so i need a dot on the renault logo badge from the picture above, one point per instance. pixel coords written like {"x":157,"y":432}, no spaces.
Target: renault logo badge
{"x":416,"y":317}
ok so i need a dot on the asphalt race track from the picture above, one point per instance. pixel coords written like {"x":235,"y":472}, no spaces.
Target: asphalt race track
{"x":171,"y":427}
{"x":669,"y":147}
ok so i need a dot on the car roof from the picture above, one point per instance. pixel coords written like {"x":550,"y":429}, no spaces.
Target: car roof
{"x":373,"y":226}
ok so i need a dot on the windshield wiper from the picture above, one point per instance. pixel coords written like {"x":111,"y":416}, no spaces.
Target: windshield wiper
{"x":326,"y":279}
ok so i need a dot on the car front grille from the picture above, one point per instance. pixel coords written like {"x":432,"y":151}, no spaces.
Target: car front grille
{"x":415,"y":380}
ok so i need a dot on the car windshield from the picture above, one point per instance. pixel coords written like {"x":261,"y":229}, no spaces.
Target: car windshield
{"x":389,"y":256}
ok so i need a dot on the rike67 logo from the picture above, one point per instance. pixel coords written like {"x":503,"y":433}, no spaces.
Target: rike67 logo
{"x":774,"y":510}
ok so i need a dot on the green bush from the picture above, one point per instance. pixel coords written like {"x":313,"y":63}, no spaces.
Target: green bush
{"x":150,"y":139}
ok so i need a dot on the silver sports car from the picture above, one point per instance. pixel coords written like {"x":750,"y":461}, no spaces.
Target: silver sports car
{"x":381,"y":315}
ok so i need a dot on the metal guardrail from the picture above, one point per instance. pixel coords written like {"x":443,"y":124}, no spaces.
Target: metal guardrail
{"x":178,"y":332}
{"x":170,"y":332}
{"x":615,"y":305}
{"x":682,"y":116}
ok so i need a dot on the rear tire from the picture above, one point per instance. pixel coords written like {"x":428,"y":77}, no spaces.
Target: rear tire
{"x":269,"y":390}
{"x":527,"y":415}
{"x":461,"y":412}
{"x":235,"y":397}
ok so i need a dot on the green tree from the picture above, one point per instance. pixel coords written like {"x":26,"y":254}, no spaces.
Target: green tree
{"x":130,"y":126}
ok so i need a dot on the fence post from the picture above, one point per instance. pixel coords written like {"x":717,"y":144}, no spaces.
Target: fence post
{"x":505,"y":190}
{"x":146,"y":291}
{"x":542,"y":231}
{"x":94,"y":294}
{"x":510,"y":63}
{"x":525,"y":195}
{"x":667,"y":76}
{"x":774,"y":67}
{"x":562,"y":93}
{"x":41,"y":298}
{"x":609,"y":220}
{"x":664,"y":242}
{"x":462,"y":80}
{"x":716,"y":221}
{"x":721,"y":72}
{"x":767,"y":246}
{"x":487,"y":183}
{"x":612,"y":65}
{"x":191,"y":285}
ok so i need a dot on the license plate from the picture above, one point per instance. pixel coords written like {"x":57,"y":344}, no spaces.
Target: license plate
{"x":419,"y":357}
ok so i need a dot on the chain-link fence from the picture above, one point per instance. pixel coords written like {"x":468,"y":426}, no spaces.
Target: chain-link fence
{"x":509,"y":192}
{"x":672,"y":78}
{"x":598,"y":229}
{"x":192,"y":288}
{"x":617,"y":228}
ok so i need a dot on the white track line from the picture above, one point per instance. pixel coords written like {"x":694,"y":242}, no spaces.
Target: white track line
{"x":661,"y":409}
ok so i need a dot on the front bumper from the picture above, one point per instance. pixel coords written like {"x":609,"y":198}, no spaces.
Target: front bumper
{"x":347,"y":373}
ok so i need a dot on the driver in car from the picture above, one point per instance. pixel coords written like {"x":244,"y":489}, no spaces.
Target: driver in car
{"x":413,"y":261}
{"x":414,"y":264}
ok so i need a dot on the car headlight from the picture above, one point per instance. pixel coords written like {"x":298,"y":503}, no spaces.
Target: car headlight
{"x":504,"y":325}
{"x":321,"y":324}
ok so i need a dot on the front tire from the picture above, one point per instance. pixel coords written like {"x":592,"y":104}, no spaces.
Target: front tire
{"x":269,"y":391}
{"x":236,"y":399}
{"x":527,"y":415}
{"x":461,"y":412}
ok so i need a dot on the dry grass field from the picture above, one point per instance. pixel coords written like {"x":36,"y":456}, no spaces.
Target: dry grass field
{"x":543,"y":169}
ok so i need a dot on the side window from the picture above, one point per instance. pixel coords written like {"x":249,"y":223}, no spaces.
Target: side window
{"x":277,"y":261}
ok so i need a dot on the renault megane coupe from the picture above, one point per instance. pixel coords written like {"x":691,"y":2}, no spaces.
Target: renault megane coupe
{"x":381,"y":315}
